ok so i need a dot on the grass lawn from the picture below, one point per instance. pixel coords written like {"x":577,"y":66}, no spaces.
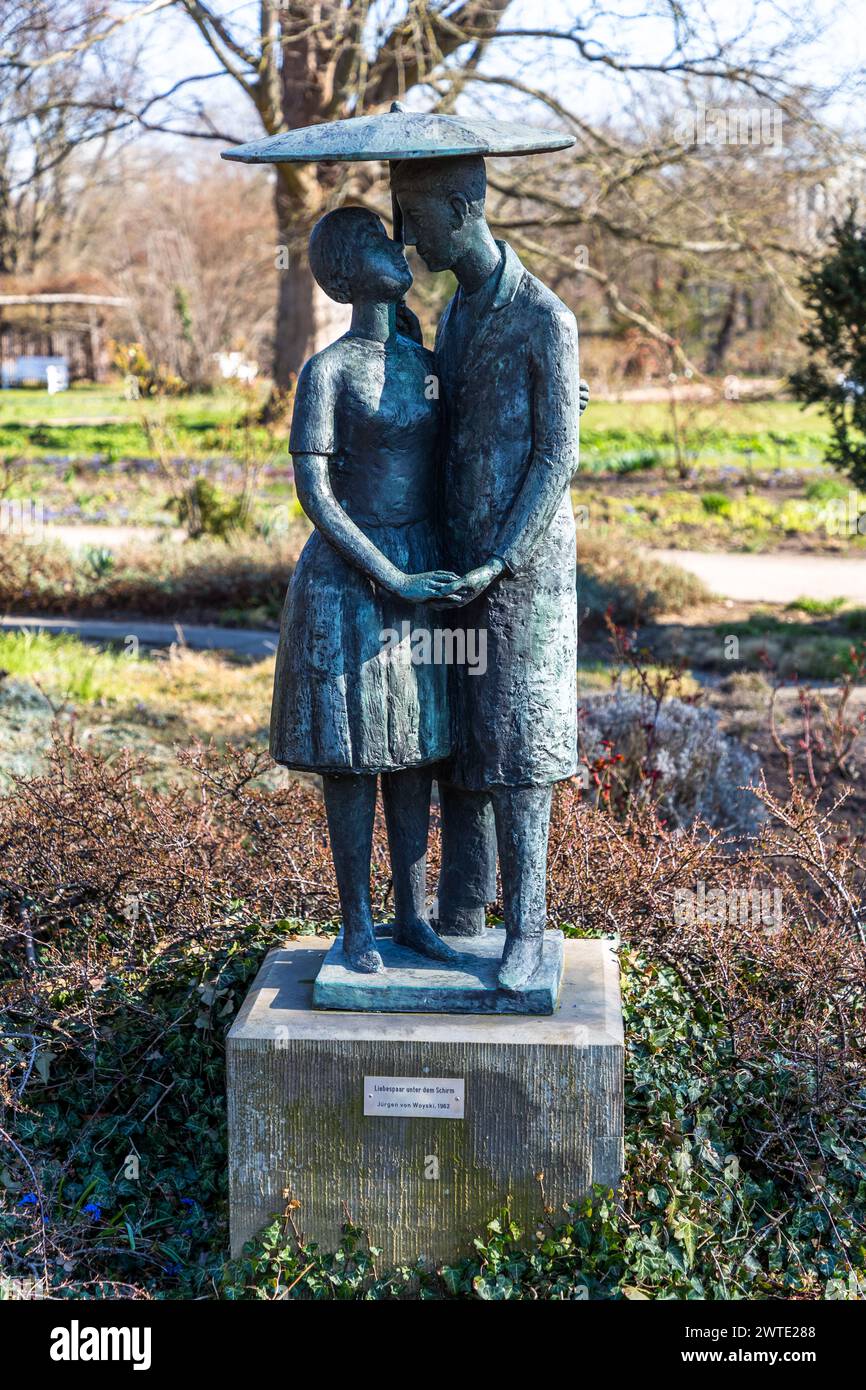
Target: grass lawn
{"x":98,"y":420}
{"x":755,"y":481}
{"x":91,"y":420}
{"x":743,"y":436}
{"x":747,"y":417}
{"x":692,"y":516}
{"x":744,"y":475}
{"x":144,"y":702}
{"x":87,"y":401}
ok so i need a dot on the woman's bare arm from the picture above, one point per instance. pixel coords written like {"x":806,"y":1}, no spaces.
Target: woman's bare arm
{"x":315,"y":494}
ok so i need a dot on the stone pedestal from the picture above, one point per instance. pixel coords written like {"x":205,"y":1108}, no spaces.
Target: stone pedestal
{"x":365,"y":1111}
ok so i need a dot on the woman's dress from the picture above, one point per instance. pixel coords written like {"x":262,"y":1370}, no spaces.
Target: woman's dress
{"x":348,"y":697}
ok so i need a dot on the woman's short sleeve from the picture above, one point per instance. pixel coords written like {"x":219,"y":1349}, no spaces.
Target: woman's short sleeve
{"x":313,"y":429}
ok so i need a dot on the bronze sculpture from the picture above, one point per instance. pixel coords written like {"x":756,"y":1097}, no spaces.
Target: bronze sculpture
{"x":506,"y":357}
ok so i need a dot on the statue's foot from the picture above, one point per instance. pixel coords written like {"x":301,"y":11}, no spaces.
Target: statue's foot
{"x":521,"y":959}
{"x":359,"y":948}
{"x":462,"y":921}
{"x":420,"y":937}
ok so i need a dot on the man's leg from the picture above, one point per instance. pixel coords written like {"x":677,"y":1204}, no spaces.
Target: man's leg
{"x":406,"y":798}
{"x":350,"y":805}
{"x":467,"y":878}
{"x":522,"y":824}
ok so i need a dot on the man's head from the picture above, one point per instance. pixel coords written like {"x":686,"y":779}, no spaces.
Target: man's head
{"x":442,"y":201}
{"x":353,"y":258}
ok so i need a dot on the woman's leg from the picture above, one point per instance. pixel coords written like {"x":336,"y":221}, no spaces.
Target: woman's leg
{"x":406,"y":797}
{"x":350,"y":803}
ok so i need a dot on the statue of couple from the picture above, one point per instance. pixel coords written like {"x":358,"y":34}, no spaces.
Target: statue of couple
{"x":438,"y":484}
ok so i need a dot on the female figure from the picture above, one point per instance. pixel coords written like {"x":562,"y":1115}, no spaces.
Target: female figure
{"x":349,"y":702}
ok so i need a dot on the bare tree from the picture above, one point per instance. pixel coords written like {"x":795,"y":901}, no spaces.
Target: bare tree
{"x":664,"y":227}
{"x":186,"y":253}
{"x":646,"y":192}
{"x":63,"y":83}
{"x":314,"y":62}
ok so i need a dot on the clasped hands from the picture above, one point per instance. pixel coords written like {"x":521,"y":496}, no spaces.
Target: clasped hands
{"x":442,"y":589}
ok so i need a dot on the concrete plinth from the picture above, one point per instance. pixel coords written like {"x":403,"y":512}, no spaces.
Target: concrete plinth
{"x":366,"y":1112}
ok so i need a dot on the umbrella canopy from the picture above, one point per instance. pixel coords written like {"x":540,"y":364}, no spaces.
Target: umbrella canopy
{"x":397,"y":134}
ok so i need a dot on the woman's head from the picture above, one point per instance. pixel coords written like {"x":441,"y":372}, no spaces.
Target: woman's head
{"x":353,"y":258}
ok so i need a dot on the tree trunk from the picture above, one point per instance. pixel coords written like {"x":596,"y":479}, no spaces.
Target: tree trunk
{"x":8,"y":231}
{"x":306,"y":319}
{"x":718,"y":350}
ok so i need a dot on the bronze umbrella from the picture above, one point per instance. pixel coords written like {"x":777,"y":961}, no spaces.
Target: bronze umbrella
{"x":396,"y":135}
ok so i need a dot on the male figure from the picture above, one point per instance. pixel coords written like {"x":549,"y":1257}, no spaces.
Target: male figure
{"x":507,"y":358}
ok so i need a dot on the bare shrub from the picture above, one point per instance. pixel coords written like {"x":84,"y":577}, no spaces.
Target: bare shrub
{"x":102,"y":877}
{"x":792,"y":991}
{"x":199,"y":579}
{"x":629,"y":586}
{"x":676,"y":755}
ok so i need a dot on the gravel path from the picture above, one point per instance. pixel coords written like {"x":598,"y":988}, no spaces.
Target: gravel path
{"x":777,"y":578}
{"x":242,"y":641}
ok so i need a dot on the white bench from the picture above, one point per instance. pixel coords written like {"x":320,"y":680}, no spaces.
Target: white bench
{"x":53,"y":372}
